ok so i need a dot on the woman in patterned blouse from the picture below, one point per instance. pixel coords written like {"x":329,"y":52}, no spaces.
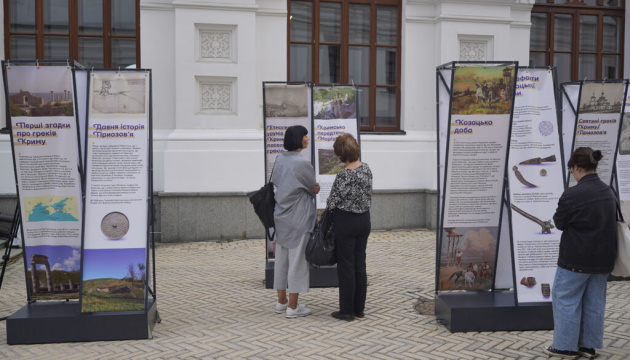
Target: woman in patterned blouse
{"x":350,"y":198}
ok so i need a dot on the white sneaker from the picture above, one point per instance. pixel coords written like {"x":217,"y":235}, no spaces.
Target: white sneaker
{"x":300,"y":310}
{"x":280,"y":308}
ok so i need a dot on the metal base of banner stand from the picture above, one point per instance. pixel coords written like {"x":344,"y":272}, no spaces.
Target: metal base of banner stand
{"x":490,"y":311}
{"x":325,"y":276}
{"x":39,"y":323}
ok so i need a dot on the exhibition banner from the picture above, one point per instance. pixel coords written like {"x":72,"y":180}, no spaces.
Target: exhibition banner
{"x":284,"y":105}
{"x":623,"y":158}
{"x":598,"y":122}
{"x":536,"y":179}
{"x":476,"y":154}
{"x":42,"y":112}
{"x":335,"y":113}
{"x":114,"y":268}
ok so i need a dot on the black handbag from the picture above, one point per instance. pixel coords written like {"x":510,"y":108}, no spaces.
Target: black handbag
{"x":264,"y":203}
{"x":320,"y":249}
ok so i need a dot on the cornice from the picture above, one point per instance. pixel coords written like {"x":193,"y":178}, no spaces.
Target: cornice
{"x":183,"y":4}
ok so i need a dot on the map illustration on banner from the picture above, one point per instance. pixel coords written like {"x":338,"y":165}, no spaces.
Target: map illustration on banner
{"x":116,"y":205}
{"x":478,"y":136}
{"x":335,"y":110}
{"x":536,"y":178}
{"x":46,"y":158}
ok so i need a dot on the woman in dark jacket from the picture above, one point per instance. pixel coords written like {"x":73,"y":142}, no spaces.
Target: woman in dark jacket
{"x":351,"y":198}
{"x":586,"y":214}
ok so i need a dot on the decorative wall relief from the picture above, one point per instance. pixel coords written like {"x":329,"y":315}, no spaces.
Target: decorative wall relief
{"x":475,"y":48}
{"x":216,"y":95}
{"x":215,"y":43}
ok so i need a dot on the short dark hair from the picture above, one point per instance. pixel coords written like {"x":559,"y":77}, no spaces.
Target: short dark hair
{"x":585,"y":158}
{"x":293,"y":137}
{"x":346,"y":148}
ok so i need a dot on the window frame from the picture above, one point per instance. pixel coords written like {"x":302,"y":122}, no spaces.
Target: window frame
{"x":576,"y":10}
{"x":73,"y":31}
{"x":345,"y":45}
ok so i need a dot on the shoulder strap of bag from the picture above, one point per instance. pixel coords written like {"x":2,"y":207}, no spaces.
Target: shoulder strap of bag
{"x":619,"y":214}
{"x":273,"y":168}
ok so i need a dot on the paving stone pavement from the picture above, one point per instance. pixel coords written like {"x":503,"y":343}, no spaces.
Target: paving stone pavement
{"x":213,"y":305}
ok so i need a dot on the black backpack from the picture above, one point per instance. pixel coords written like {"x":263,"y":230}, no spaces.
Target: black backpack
{"x":264,"y":203}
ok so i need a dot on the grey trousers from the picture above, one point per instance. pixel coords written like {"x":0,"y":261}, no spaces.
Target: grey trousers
{"x":291,"y":270}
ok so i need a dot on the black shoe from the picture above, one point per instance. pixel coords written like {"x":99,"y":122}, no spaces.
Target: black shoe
{"x":359,"y":315}
{"x":566,"y":354}
{"x":588,"y":353}
{"x":340,"y":316}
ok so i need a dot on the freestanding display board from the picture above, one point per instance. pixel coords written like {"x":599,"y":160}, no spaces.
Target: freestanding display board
{"x":622,"y":173}
{"x":536,"y":181}
{"x":326,"y":112}
{"x":473,"y":147}
{"x":116,"y":303}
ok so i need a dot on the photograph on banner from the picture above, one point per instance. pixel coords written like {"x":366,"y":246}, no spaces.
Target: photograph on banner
{"x":477,"y":152}
{"x":119,"y":94}
{"x":483,"y":90}
{"x":535,"y":173}
{"x":113,"y":280}
{"x":117,"y":183}
{"x":335,"y":114}
{"x":46,"y":157}
{"x":467,"y":258}
{"x":285,"y":105}
{"x":597,"y":126}
{"x":53,"y":271}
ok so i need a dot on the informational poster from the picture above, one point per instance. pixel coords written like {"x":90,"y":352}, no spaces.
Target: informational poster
{"x":117,"y":192}
{"x":284,"y":105}
{"x":623,"y":159}
{"x":476,"y":155}
{"x":46,"y":159}
{"x":335,"y":113}
{"x":536,"y":178}
{"x":597,"y":124}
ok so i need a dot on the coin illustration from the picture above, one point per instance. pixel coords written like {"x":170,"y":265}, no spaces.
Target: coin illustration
{"x":115,"y":225}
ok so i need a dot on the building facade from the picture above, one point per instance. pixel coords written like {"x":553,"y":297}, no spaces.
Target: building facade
{"x":209,"y":60}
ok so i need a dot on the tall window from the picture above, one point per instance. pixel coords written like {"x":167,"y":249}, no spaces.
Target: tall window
{"x":96,"y":33}
{"x":582,"y":38}
{"x":350,"y":42}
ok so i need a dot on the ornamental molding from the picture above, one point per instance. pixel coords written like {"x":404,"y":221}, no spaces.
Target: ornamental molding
{"x":216,"y":95}
{"x":215,"y":43}
{"x":475,"y":48}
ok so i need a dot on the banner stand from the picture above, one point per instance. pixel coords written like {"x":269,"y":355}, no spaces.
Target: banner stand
{"x":63,"y":321}
{"x":493,"y":308}
{"x":325,"y":276}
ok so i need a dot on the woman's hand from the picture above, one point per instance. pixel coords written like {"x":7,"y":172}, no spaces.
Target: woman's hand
{"x":315,"y":190}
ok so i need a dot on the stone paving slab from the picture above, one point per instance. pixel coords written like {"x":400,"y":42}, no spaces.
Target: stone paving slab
{"x":213,"y":305}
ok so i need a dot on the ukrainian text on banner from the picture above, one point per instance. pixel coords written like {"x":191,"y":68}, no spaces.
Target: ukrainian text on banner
{"x":335,"y":113}
{"x":284,"y":105}
{"x":597,"y":124}
{"x":117,"y":192}
{"x":536,"y":178}
{"x":46,"y":158}
{"x":477,"y":146}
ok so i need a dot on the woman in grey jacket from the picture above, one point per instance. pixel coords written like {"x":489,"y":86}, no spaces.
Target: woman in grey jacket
{"x":586,"y":214}
{"x":294,"y":217}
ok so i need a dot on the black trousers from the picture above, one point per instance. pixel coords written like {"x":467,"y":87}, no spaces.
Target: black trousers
{"x":351,"y":234}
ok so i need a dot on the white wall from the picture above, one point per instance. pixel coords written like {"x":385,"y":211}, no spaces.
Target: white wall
{"x":196,"y":150}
